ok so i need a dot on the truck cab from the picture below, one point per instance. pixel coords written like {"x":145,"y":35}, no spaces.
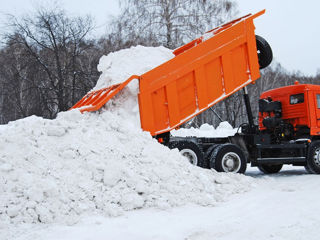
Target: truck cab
{"x":300,"y":109}
{"x":289,"y":129}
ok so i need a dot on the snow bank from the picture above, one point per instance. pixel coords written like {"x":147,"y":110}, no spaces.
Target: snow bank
{"x":223,"y":130}
{"x":99,"y":163}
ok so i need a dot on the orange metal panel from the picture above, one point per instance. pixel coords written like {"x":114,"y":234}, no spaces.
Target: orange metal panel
{"x":160,"y":108}
{"x":201,"y":86}
{"x":214,"y":80}
{"x":173,"y":104}
{"x":227,"y":71}
{"x":186,"y":95}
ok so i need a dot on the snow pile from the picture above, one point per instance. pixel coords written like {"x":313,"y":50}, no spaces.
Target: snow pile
{"x":118,"y":66}
{"x":99,"y":163}
{"x":223,"y":130}
{"x":56,"y":171}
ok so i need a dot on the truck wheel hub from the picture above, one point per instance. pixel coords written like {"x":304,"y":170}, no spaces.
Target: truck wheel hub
{"x":231,"y":162}
{"x":317,"y":157}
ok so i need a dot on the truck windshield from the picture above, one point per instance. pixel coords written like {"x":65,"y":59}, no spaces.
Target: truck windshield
{"x":318,"y":100}
{"x":297,"y":98}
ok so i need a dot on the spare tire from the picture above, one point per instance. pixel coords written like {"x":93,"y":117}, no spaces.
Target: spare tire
{"x":265,"y":55}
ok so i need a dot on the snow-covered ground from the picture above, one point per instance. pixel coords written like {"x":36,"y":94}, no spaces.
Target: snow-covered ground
{"x":99,"y":176}
{"x":281,"y":206}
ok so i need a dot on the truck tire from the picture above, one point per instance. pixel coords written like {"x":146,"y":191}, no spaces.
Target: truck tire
{"x":313,"y":158}
{"x":191,"y":150}
{"x":228,"y":158}
{"x":207,"y":155}
{"x":309,"y":170}
{"x":264,"y":52}
{"x":270,"y":169}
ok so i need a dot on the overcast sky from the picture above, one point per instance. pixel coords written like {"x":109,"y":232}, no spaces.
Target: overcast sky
{"x":290,"y":26}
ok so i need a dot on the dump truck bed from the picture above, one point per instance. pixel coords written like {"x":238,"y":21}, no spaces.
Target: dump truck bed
{"x":203,"y":72}
{"x":199,"y":77}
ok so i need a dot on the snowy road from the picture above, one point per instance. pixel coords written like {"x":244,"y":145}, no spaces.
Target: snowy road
{"x":283,"y":206}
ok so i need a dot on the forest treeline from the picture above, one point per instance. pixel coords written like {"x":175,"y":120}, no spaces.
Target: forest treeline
{"x":48,"y":60}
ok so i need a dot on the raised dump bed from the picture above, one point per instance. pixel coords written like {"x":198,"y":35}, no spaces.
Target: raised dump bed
{"x":203,"y":72}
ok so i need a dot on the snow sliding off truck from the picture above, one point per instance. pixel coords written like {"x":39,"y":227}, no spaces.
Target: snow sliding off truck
{"x":206,"y":71}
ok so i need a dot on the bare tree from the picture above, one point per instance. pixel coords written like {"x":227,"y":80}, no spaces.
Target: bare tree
{"x":57,"y":44}
{"x":18,"y":90}
{"x":169,"y":22}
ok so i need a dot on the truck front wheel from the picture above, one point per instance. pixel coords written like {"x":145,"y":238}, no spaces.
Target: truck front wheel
{"x":313,"y":158}
{"x":270,"y":169}
{"x":228,"y":158}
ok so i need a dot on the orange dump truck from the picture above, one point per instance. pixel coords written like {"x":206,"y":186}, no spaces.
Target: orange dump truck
{"x":204,"y":72}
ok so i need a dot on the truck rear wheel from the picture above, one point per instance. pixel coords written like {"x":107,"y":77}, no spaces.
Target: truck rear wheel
{"x":313,"y":158}
{"x":228,"y":158}
{"x":190,"y":150}
{"x":264,"y":52}
{"x":269,"y":169}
